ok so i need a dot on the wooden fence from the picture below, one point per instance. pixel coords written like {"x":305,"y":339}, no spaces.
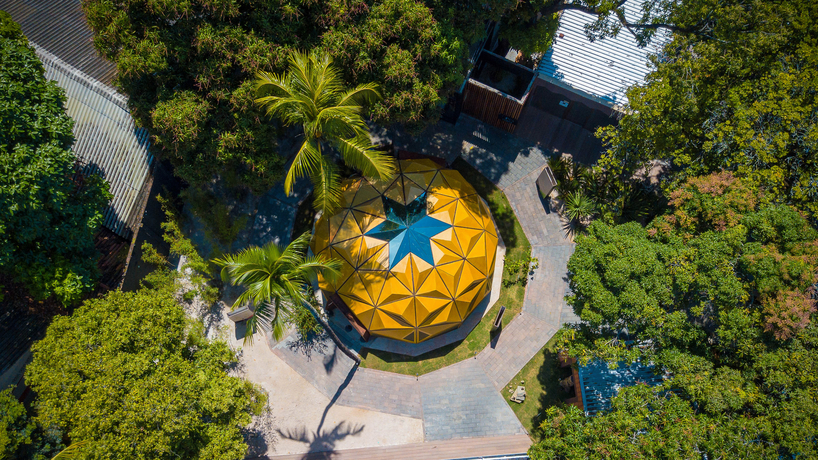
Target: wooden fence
{"x":491,"y":106}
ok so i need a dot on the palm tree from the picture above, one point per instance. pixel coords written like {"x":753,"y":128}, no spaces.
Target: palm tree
{"x":578,"y":206}
{"x":274,"y":279}
{"x":313,"y":95}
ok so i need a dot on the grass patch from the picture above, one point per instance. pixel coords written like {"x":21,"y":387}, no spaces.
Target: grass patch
{"x":511,"y":294}
{"x":540,"y":377}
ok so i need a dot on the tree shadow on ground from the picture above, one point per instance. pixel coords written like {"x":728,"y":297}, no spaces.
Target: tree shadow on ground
{"x":391,"y":357}
{"x":322,"y":441}
{"x":547,"y":377}
{"x":309,"y":344}
{"x":304,"y":217}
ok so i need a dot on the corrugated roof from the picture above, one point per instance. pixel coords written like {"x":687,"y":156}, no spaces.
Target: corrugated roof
{"x":107,"y":141}
{"x":599,"y":383}
{"x":603,"y":69}
{"x":60,"y":27}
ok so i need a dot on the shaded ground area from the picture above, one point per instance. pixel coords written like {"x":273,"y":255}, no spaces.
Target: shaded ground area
{"x":454,"y":402}
{"x":560,"y":121}
{"x":307,"y":420}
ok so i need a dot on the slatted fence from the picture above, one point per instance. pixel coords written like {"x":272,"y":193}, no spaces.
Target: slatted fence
{"x":491,"y":106}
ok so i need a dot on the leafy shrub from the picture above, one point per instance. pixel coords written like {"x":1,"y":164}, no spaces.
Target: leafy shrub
{"x":48,"y":213}
{"x":131,"y":375}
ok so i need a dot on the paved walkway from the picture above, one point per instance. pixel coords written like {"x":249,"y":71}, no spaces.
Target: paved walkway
{"x":433,"y":450}
{"x":463,"y":400}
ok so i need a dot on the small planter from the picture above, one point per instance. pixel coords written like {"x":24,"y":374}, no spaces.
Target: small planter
{"x":498,"y":321}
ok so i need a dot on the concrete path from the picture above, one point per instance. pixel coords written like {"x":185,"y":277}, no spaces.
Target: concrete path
{"x":303,"y":419}
{"x":433,"y":450}
{"x":462,"y":400}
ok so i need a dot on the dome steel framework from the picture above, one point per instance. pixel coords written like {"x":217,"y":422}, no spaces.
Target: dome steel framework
{"x":417,"y":252}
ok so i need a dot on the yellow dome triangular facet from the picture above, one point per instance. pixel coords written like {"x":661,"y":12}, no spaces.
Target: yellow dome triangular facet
{"x":430,"y":290}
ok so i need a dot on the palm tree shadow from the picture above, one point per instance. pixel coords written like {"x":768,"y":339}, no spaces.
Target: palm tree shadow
{"x":312,"y":343}
{"x":570,"y":227}
{"x":322,"y":441}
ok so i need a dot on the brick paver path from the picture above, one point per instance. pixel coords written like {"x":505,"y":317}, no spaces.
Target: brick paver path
{"x":459,"y":401}
{"x":464,"y":399}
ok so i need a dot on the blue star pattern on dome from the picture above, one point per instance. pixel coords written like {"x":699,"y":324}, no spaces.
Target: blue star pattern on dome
{"x":408,"y":229}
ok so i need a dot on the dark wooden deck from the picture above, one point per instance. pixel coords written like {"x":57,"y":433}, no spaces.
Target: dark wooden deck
{"x":438,"y":450}
{"x":568,"y":131}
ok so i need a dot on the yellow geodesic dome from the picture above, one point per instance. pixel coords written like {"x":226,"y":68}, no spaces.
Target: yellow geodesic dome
{"x":417,"y":251}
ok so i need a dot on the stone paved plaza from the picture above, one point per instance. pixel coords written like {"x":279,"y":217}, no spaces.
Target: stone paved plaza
{"x":462,"y":400}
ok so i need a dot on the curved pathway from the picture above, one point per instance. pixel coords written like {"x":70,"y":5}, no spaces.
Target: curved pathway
{"x":463,"y":400}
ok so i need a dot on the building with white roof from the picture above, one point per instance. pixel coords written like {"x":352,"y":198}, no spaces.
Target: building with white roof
{"x":601,"y":70}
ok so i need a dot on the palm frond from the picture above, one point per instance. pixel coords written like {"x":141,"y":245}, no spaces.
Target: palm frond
{"x":306,"y":161}
{"x":312,"y":94}
{"x":359,"y":153}
{"x":327,"y":188}
{"x":578,"y":205}
{"x":293,"y":254}
{"x":365,"y":93}
{"x":329,"y":268}
{"x":274,"y":278}
{"x":344,"y":122}
{"x":70,"y":452}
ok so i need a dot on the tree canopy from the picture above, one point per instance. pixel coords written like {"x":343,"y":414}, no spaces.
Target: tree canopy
{"x":720,"y":292}
{"x":275,"y":279}
{"x":48,"y":215}
{"x":741,"y":97}
{"x":129,"y":374}
{"x":189,"y":67}
{"x":21,"y":437}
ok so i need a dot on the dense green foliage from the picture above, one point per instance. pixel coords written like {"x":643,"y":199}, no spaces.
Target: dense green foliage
{"x":131,"y":375}
{"x":720,"y":293}
{"x":189,"y":66}
{"x":15,"y":427}
{"x":596,"y":192}
{"x":745,"y":100}
{"x":47,"y":217}
{"x":275,"y":281}
{"x":648,"y":423}
{"x":311,"y":94}
{"x":22,"y":438}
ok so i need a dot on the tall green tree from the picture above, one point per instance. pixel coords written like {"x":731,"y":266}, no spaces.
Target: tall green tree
{"x":741,"y":97}
{"x":651,"y":423}
{"x":720,"y":294}
{"x":47,"y":217}
{"x":275,"y":280}
{"x":189,"y":69}
{"x":22,"y":438}
{"x":129,"y":373}
{"x":312,"y":94}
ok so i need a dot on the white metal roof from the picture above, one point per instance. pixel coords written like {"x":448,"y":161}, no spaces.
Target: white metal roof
{"x":601,"y":70}
{"x":106,"y":139}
